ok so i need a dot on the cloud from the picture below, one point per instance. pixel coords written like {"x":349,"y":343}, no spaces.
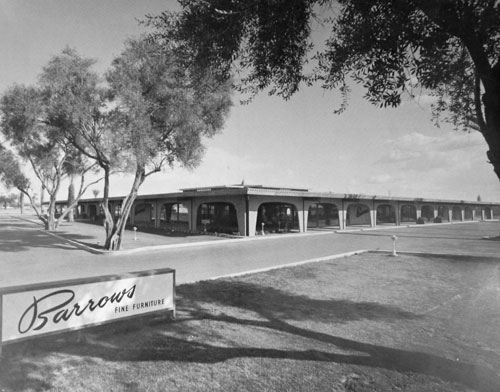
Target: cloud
{"x":219,"y":167}
{"x":419,"y":148}
{"x":450,"y":165}
{"x":425,"y":99}
{"x":384,"y":178}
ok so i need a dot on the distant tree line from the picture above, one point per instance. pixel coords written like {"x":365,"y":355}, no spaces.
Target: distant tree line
{"x":10,"y":200}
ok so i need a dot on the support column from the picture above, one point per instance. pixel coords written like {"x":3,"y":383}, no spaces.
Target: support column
{"x":450,"y":214}
{"x":462,"y":216}
{"x":343,"y":217}
{"x":247,"y":215}
{"x":373,"y":217}
{"x":418,"y":210}
{"x":253,"y":206}
{"x":305,"y":215}
{"x":306,"y":206}
{"x":194,"y":215}
{"x":398,"y":214}
{"x":241,"y":216}
{"x":190,"y":214}
{"x":373,"y":214}
{"x":157,"y":214}
{"x":300,"y":215}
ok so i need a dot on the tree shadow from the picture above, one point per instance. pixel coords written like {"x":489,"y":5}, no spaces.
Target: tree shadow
{"x":18,"y":235}
{"x":88,"y":240}
{"x":277,"y":304}
{"x":449,"y":258}
{"x":24,"y":240}
{"x":452,"y":258}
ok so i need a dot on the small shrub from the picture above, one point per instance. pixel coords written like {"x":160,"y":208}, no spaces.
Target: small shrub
{"x":420,"y":221}
{"x":438,"y":219}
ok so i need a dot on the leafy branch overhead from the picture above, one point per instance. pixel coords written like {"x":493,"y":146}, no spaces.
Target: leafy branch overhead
{"x":449,"y":49}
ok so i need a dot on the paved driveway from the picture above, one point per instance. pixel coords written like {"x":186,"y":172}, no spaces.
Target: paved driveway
{"x":29,"y":255}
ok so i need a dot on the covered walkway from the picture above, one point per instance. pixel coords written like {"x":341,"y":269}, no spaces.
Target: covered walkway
{"x":249,"y":210}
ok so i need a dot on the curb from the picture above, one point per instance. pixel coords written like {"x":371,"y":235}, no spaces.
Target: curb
{"x":433,"y":254}
{"x":347,"y":231}
{"x":294,"y":264}
{"x":93,"y":250}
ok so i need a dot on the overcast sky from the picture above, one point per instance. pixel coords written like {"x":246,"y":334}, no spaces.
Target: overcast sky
{"x":298,"y":143}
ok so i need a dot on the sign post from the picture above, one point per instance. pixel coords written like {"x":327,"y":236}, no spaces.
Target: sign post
{"x":42,"y":309}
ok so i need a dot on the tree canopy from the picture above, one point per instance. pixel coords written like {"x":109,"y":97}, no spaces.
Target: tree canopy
{"x":28,"y":125}
{"x":149,"y":114}
{"x":10,"y":171}
{"x":447,"y":48}
{"x":158,"y":116}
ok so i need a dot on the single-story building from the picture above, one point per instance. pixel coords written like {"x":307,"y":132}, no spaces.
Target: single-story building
{"x":250,"y":210}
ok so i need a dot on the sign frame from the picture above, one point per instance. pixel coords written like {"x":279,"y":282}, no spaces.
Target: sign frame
{"x":79,"y":282}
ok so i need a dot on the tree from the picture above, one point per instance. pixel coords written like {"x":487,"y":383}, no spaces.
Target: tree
{"x":450,"y":48}
{"x":154,"y":118}
{"x":26,"y":127}
{"x":12,"y":176}
{"x":76,"y":104}
{"x":160,"y":115}
{"x":8,"y":200}
{"x":70,"y":91}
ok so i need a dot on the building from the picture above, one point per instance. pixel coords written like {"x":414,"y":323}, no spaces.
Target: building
{"x":249,"y":210}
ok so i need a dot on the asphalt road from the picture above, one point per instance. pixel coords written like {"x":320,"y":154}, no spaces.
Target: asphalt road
{"x":29,"y":255}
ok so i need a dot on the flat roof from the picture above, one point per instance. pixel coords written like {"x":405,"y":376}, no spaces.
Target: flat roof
{"x":242,"y":186}
{"x":247,"y":189}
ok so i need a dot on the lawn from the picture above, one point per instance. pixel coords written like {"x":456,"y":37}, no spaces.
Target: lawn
{"x":364,"y":323}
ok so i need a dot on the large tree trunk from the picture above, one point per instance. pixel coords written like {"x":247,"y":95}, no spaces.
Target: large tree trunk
{"x":51,"y":215}
{"x":71,"y":197}
{"x":21,"y":203}
{"x":491,"y":133}
{"x":114,"y":240}
{"x":108,"y":218}
{"x":42,"y":198}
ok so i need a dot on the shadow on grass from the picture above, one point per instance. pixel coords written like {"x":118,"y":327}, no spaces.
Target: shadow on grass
{"x":23,"y":240}
{"x":152,"y":338}
{"x":87,"y":240}
{"x":277,"y":304}
{"x":451,"y":258}
{"x":21,"y":235}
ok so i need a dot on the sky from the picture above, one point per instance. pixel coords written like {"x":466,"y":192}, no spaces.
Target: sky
{"x":295,"y":143}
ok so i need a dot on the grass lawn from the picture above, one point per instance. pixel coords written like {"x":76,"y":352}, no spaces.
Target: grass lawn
{"x":365,"y":323}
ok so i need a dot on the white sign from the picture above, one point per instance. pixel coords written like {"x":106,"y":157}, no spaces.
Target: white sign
{"x":48,"y":310}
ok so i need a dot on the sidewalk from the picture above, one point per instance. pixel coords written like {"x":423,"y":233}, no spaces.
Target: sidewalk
{"x":91,"y":237}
